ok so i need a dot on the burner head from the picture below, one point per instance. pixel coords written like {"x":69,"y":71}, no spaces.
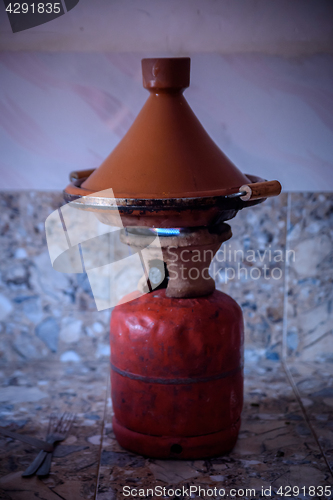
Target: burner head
{"x":186,"y":276}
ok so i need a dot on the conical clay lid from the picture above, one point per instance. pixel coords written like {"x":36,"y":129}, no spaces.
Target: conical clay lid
{"x":166,"y":153}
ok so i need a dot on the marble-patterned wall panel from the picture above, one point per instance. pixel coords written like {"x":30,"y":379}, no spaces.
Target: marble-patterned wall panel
{"x":308,"y":315}
{"x":67,"y":111}
{"x":43,"y":313}
{"x":253,"y":273}
{"x":310,"y":277}
{"x":48,"y":313}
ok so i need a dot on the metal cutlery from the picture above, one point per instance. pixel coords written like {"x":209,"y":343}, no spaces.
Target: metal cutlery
{"x":38,"y":443}
{"x":57,"y":431}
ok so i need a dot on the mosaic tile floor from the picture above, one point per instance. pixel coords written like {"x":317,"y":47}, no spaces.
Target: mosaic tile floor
{"x":286,"y":437}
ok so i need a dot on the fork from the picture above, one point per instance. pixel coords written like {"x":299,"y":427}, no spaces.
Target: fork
{"x":57,"y":431}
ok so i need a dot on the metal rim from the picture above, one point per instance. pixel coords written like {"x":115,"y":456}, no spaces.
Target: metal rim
{"x":226,"y":202}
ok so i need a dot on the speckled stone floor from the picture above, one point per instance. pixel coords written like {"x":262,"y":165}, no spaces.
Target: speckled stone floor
{"x":286,"y":438}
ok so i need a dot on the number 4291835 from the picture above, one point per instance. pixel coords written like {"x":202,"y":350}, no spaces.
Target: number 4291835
{"x":40,"y":8}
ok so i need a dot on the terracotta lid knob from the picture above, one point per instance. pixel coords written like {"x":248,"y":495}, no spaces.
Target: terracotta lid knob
{"x":169,"y":74}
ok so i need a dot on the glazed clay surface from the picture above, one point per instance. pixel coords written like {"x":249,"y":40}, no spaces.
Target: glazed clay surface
{"x":166,"y":153}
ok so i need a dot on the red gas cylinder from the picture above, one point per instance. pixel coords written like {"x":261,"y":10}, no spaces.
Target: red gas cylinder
{"x":177,"y":374}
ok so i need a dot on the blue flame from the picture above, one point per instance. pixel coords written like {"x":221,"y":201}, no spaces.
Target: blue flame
{"x":166,"y":231}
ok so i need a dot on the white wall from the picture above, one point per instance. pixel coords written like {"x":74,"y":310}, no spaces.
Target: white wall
{"x":262,"y":85}
{"x":282,"y":27}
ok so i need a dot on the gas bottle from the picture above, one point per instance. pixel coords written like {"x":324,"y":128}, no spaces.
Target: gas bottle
{"x":177,"y":374}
